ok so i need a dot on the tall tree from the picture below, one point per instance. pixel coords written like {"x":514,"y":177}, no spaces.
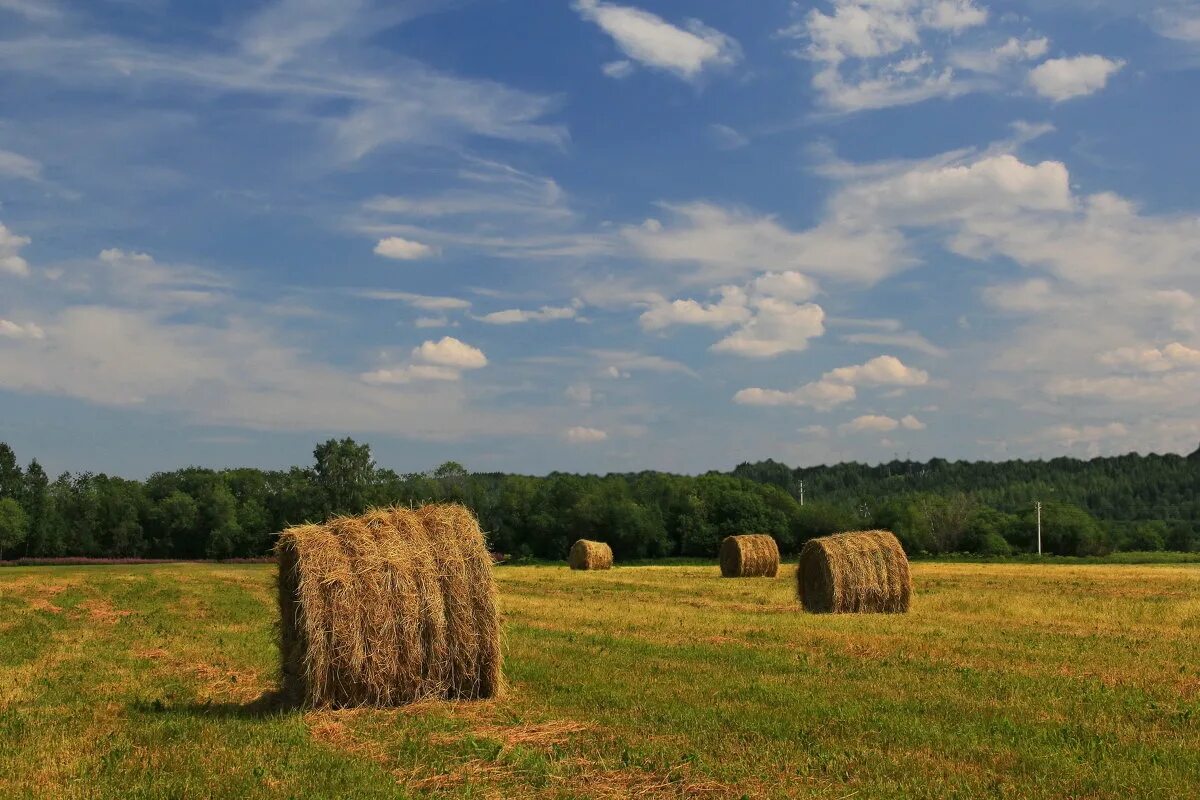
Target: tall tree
{"x":14,"y":525}
{"x":35,"y":498}
{"x":10,"y":473}
{"x":344,"y":471}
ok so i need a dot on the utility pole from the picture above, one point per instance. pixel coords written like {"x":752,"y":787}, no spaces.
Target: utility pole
{"x":801,"y":492}
{"x":1039,"y":520}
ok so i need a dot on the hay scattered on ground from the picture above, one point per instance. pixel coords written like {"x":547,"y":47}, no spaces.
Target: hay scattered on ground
{"x":586,"y":554}
{"x":863,"y":571}
{"x":749,"y":556}
{"x":391,"y":607}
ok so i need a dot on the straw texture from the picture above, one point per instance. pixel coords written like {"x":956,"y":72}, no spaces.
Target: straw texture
{"x":749,"y":556}
{"x":587,"y":554}
{"x":864,"y":571}
{"x":390,"y":607}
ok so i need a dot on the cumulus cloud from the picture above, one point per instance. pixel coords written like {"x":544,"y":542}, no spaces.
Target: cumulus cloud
{"x":581,"y":434}
{"x":653,"y":42}
{"x":767,"y":318}
{"x":1063,"y":78}
{"x":937,"y":193}
{"x":821,"y":395}
{"x":402,"y":249}
{"x":450,"y":352}
{"x":869,"y":423}
{"x":10,"y":253}
{"x":731,"y":309}
{"x":879,"y":53}
{"x":879,"y":371}
{"x":838,"y":386}
{"x":729,"y":244}
{"x":778,"y":326}
{"x":16,"y":330}
{"x":1153,"y":359}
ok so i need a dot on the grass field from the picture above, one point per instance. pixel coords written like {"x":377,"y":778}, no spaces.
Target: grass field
{"x":1005,"y":681}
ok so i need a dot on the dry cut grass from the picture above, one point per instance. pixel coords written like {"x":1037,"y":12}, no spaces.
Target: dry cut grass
{"x":1005,"y":681}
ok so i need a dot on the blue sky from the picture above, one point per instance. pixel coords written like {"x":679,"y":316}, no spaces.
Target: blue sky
{"x":595,"y":235}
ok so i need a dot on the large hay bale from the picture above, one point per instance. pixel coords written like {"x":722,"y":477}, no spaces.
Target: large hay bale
{"x":390,"y":607}
{"x":863,"y":571}
{"x":749,"y":556}
{"x":587,"y":554}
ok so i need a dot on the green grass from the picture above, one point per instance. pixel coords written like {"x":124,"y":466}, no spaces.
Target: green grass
{"x":1006,"y":681}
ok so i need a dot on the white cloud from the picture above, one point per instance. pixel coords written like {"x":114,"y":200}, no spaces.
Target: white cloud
{"x":580,"y":434}
{"x":33,"y":10}
{"x":838,"y":385}
{"x":651,"y":41}
{"x":821,"y":395}
{"x":316,"y":63}
{"x":727,"y":244}
{"x":18,"y":166}
{"x":730,"y":310}
{"x":618,"y":69}
{"x":515,"y":316}
{"x":778,"y":326}
{"x":879,"y":371}
{"x":1070,"y":435}
{"x":410,"y":373}
{"x":424,"y":302}
{"x":15,"y":330}
{"x":433,"y":322}
{"x":937,"y":193}
{"x":789,"y":285}
{"x":10,"y":253}
{"x":619,"y":363}
{"x":402,"y":249}
{"x":1153,"y":359}
{"x":879,"y":53}
{"x":769,"y":322}
{"x":726,"y":137}
{"x":1063,"y":78}
{"x":1021,"y":49}
{"x":869,"y":423}
{"x":580,"y":394}
{"x":911,"y":423}
{"x":450,"y":352}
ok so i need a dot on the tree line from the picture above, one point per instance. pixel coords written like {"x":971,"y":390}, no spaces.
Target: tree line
{"x":1091,"y":507}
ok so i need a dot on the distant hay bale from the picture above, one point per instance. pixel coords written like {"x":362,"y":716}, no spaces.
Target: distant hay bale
{"x":863,"y":571}
{"x":587,"y":554}
{"x":749,"y":556}
{"x":390,"y":607}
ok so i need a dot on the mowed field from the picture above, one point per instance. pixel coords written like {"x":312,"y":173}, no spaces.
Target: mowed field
{"x":1006,"y":681}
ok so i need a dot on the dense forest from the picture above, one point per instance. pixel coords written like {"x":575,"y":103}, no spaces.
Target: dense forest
{"x":1130,"y":502}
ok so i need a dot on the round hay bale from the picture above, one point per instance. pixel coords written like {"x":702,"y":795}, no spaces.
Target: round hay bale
{"x":753,"y":555}
{"x":387,"y":608}
{"x":863,"y":571}
{"x":587,"y":554}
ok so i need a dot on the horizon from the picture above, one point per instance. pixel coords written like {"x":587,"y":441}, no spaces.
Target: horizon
{"x":55,"y":472}
{"x":605,"y":237}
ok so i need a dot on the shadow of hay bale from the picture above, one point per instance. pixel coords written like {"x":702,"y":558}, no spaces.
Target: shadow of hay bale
{"x":269,"y":704}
